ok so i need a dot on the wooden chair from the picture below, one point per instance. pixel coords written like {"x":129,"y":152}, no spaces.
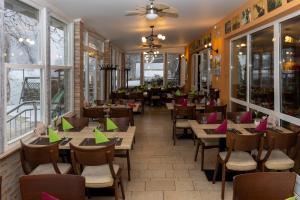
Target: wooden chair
{"x":42,"y":160}
{"x":237,"y":157}
{"x":138,"y":97}
{"x":178,"y":99}
{"x":279,"y":147}
{"x":264,"y":185}
{"x":122,"y":112}
{"x":77,"y":123}
{"x":96,"y":165}
{"x":95,"y":114}
{"x":63,"y":187}
{"x":209,"y":143}
{"x":155,"y":96}
{"x":181,"y":115}
{"x":100,"y":102}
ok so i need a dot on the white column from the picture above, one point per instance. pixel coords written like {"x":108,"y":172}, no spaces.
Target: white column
{"x":45,"y":53}
{"x":2,"y":80}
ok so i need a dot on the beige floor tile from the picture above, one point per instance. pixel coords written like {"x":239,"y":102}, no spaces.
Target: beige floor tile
{"x":184,"y":185}
{"x":180,"y":195}
{"x":134,"y":186}
{"x":160,"y":185}
{"x":147,"y":195}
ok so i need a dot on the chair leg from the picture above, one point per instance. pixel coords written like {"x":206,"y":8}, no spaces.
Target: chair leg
{"x":116,"y":191}
{"x":223,"y":180}
{"x":88,"y":193}
{"x":122,"y":187}
{"x":197,"y":150}
{"x":128,"y":164}
{"x":202,"y":156}
{"x":216,"y":171}
{"x":174,"y":136}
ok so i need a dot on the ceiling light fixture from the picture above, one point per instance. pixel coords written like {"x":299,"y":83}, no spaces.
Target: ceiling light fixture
{"x":151,"y":14}
{"x":152,"y":36}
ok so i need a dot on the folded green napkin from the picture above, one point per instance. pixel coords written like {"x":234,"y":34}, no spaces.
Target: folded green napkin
{"x":291,"y":198}
{"x":100,"y":137}
{"x":53,"y":136}
{"x":110,"y":125}
{"x":66,"y":125}
{"x":178,"y":93}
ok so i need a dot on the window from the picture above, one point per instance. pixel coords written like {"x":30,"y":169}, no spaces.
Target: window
{"x":173,"y":69}
{"x":237,"y":107}
{"x":133,"y":62}
{"x":21,"y":33}
{"x":60,"y":73}
{"x":58,"y":42}
{"x":60,"y":92}
{"x":154,"y":69}
{"x":23,"y":83}
{"x":239,"y":68}
{"x":262,"y":70}
{"x":290,"y":67}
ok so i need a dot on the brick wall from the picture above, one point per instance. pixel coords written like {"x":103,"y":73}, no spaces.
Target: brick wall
{"x":11,"y":170}
{"x":78,"y":67}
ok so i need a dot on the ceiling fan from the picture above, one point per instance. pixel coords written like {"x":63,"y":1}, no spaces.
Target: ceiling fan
{"x":154,"y":10}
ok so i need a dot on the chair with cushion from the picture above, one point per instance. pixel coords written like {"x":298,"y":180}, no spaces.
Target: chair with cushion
{"x":138,"y":97}
{"x":121,"y":122}
{"x":264,"y":185}
{"x":279,"y":146}
{"x":237,"y":117}
{"x":181,"y":115}
{"x":42,"y":160}
{"x":94,"y":114}
{"x":209,"y":143}
{"x":155,"y":96}
{"x":237,"y":157}
{"x":62,"y":187}
{"x":122,"y":112}
{"x":77,"y":123}
{"x":96,"y":165}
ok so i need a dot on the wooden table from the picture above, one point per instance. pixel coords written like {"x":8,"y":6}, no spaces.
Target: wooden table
{"x":135,"y":109}
{"x":87,"y":132}
{"x":170,"y":106}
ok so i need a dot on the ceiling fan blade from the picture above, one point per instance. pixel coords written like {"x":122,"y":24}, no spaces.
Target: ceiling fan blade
{"x":161,"y":6}
{"x":136,"y":12}
{"x":168,"y":14}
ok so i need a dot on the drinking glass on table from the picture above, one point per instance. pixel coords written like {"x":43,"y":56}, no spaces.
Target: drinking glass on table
{"x":204,"y":120}
{"x":238,"y":119}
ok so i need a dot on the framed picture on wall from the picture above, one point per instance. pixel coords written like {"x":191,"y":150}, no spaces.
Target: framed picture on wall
{"x":235,"y":23}
{"x":228,"y":27}
{"x":258,"y":9}
{"x":246,"y":16}
{"x":273,"y":4}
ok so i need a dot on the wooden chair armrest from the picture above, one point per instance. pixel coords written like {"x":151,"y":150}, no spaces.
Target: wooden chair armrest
{"x":110,"y":164}
{"x":54,"y":162}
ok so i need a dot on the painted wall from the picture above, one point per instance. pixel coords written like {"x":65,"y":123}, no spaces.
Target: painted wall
{"x":221,"y":41}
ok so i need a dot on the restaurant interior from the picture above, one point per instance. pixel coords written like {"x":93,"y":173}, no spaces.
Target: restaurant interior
{"x":150,"y":100}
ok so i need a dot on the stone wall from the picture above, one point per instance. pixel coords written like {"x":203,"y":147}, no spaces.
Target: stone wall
{"x":11,"y":170}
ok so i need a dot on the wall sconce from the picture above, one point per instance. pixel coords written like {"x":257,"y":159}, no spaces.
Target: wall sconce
{"x":209,"y":46}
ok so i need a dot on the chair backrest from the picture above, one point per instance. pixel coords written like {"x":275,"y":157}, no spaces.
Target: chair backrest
{"x":199,"y":98}
{"x":100,"y":102}
{"x":178,"y":99}
{"x":77,"y":123}
{"x":241,"y":142}
{"x":35,"y":155}
{"x":94,"y":113}
{"x":91,"y":156}
{"x":155,"y":91}
{"x":283,"y":141}
{"x":136,"y":96}
{"x":264,"y":185}
{"x":121,"y":122}
{"x":184,"y":112}
{"x":221,"y":109}
{"x":63,"y":187}
{"x":122,"y":112}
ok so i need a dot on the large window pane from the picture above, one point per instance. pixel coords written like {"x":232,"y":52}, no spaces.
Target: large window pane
{"x":173,"y":69}
{"x":239,"y":69}
{"x":290,"y":68}
{"x":154,"y":69}
{"x":23,"y":101}
{"x":133,"y":62}
{"x":21,"y":30}
{"x":58,"y":42}
{"x":262,"y":70}
{"x":60,"y":92}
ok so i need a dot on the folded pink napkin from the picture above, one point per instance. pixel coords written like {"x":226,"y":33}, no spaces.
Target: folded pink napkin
{"x":184,"y":103}
{"x":46,"y":196}
{"x":212,"y":102}
{"x":262,"y":126}
{"x":222,"y":128}
{"x":212,"y":118}
{"x":246,"y":117}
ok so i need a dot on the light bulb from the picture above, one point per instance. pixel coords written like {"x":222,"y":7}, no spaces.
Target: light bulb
{"x":21,"y":39}
{"x":205,"y":46}
{"x":209,"y":44}
{"x":144,"y":39}
{"x":159,"y":36}
{"x":163,"y":37}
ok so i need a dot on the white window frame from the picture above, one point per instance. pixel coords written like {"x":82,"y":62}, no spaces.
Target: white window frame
{"x":277,"y":80}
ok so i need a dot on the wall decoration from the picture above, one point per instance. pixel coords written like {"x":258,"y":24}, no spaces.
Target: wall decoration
{"x":246,"y":16}
{"x":273,"y":4}
{"x":235,"y":23}
{"x":228,"y":27}
{"x":258,"y":9}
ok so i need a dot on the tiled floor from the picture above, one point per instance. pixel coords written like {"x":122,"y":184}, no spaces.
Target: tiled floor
{"x":161,"y":171}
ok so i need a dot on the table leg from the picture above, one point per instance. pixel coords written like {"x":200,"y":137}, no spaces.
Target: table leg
{"x":128,"y":164}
